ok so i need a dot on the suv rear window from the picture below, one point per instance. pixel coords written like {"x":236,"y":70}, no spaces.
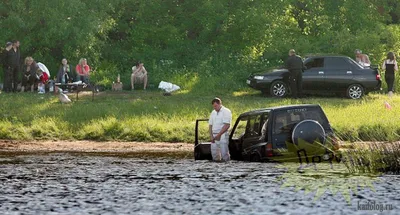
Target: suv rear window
{"x":285,"y":120}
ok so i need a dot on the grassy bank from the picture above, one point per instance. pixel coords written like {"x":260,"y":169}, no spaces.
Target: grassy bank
{"x":149,"y":116}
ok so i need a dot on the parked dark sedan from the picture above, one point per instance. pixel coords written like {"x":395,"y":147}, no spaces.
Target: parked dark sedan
{"x":323,"y":74}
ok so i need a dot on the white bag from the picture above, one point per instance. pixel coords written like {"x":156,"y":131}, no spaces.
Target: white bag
{"x":168,"y":87}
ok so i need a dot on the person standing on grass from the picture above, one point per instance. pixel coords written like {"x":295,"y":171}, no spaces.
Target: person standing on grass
{"x":14,"y":63}
{"x":295,"y":66}
{"x":219,"y":123}
{"x":83,"y":70}
{"x":390,"y":66}
{"x":7,"y":85}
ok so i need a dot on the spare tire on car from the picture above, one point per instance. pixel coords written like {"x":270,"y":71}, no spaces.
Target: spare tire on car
{"x":309,"y":131}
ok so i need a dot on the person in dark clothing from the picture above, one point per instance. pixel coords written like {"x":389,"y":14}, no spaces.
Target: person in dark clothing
{"x":14,"y":61}
{"x":29,"y":77}
{"x":295,"y":66}
{"x":390,"y":66}
{"x":64,"y":74}
{"x":7,"y":87}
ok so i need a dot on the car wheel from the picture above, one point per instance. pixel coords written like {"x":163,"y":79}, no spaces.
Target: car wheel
{"x":355,"y":91}
{"x":278,"y":89}
{"x":255,"y":157}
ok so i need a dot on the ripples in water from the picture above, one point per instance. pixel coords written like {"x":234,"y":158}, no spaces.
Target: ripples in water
{"x":66,"y":184}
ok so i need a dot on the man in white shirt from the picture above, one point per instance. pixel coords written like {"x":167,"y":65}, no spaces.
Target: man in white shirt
{"x":219,"y":123}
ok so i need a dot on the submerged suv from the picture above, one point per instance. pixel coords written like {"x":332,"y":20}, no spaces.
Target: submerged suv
{"x":275,"y":134}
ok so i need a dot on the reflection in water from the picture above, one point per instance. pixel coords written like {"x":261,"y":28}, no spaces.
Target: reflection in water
{"x":66,"y":184}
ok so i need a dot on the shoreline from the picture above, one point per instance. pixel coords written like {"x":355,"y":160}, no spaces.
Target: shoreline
{"x":109,"y":148}
{"x":114,"y":148}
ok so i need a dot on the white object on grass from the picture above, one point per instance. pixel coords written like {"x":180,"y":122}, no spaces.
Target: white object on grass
{"x":63,"y":98}
{"x":168,"y":87}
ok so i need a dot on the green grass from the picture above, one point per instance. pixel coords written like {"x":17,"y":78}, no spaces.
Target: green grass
{"x":149,"y":116}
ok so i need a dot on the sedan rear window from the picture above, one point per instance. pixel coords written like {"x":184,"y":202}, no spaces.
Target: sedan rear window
{"x":336,"y":63}
{"x":314,"y":63}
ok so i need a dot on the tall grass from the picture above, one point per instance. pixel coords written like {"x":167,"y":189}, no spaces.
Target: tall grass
{"x":150,"y":116}
{"x":373,"y":157}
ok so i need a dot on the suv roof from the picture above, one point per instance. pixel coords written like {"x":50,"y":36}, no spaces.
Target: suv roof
{"x":284,"y":107}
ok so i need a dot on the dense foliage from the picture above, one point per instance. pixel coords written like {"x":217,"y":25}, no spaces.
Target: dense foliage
{"x":197,"y":41}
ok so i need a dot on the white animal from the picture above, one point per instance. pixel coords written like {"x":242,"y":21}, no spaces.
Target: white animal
{"x":63,"y":98}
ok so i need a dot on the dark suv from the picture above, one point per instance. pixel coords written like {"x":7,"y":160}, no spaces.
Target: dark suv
{"x":275,"y":134}
{"x":323,"y":74}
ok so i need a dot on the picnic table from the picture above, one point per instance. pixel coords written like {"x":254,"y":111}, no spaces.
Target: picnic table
{"x":78,"y":87}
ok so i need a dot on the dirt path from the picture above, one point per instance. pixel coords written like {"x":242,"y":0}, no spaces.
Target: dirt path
{"x":130,"y":148}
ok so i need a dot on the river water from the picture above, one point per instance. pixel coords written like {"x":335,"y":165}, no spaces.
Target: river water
{"x":85,"y":184}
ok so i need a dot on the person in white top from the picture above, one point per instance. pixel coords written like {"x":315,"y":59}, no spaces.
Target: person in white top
{"x":219,"y":123}
{"x":390,"y":67}
{"x":139,"y":75}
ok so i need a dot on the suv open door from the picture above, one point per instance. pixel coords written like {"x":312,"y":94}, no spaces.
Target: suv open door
{"x":202,"y":146}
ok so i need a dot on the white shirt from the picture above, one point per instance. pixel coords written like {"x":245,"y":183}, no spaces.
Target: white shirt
{"x":218,"y":119}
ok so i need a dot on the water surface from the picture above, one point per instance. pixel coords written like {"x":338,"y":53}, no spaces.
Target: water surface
{"x":85,"y":184}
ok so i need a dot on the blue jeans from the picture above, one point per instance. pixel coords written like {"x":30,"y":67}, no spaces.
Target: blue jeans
{"x":84,"y":79}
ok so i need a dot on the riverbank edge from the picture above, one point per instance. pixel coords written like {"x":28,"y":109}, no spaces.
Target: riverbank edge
{"x":142,"y":149}
{"x":110,"y":147}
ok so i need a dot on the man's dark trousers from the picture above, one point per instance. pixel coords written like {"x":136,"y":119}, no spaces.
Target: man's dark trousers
{"x":14,"y":72}
{"x":7,"y":87}
{"x":296,"y":83}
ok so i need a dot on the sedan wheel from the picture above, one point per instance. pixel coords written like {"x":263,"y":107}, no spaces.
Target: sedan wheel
{"x":278,"y":89}
{"x":355,"y":91}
